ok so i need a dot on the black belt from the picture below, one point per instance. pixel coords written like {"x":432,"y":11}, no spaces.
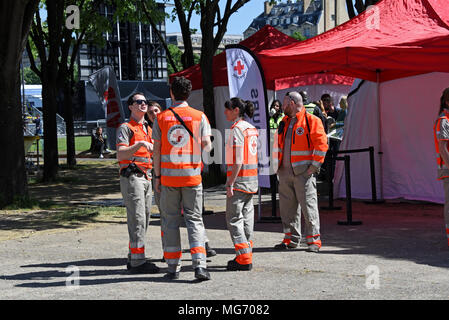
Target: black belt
{"x":132,"y":169}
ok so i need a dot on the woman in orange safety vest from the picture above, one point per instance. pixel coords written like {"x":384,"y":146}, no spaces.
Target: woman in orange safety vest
{"x":242,"y":181}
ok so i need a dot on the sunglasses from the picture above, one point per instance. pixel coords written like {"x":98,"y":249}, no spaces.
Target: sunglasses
{"x":140,"y":101}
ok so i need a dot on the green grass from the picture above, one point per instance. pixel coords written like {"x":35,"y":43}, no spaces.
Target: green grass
{"x":82,"y":143}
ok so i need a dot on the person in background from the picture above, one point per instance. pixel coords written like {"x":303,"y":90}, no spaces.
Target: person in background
{"x":38,"y":124}
{"x":242,"y":181}
{"x":340,"y":121}
{"x":331,"y":110}
{"x":441,"y":139}
{"x":276,"y":114}
{"x":98,"y":144}
{"x":153,"y":110}
{"x":313,"y":108}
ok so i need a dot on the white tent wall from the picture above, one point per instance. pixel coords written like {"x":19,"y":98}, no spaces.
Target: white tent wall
{"x":408,"y":110}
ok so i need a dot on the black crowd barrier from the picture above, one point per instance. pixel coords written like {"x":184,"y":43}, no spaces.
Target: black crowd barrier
{"x":330,"y":176}
{"x":273,"y":217}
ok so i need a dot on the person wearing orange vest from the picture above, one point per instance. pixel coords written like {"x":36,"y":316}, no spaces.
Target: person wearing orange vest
{"x":134,"y":151}
{"x":180,"y":135}
{"x":242,"y":181}
{"x":441,"y":138}
{"x":302,"y":146}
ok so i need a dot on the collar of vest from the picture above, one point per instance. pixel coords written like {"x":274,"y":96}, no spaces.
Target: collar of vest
{"x":179,"y":104}
{"x":135,"y":123}
{"x":236,"y":121}
{"x":298,"y":115}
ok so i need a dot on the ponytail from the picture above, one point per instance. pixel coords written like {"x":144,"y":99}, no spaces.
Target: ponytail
{"x":245,"y":107}
{"x":249,"y":108}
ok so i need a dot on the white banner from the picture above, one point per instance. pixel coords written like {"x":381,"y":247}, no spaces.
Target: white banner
{"x":105,"y":84}
{"x":246,"y":81}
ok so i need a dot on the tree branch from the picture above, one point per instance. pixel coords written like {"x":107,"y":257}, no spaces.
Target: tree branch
{"x":350,"y":9}
{"x":159,"y":35}
{"x":33,"y":66}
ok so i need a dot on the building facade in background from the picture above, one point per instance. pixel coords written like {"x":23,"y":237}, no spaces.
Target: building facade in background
{"x":309,"y":17}
{"x":176,"y":39}
{"x":132,"y":49}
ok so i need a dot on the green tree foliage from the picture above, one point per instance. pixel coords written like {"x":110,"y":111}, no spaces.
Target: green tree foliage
{"x":30,"y":76}
{"x":298,"y":36}
{"x":176,"y":54}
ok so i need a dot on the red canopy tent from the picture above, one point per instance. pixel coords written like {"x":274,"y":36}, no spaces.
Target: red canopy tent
{"x":399,"y":38}
{"x":266,"y":38}
{"x":402,"y":48}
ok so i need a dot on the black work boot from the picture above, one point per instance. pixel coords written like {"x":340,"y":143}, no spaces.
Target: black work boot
{"x":147,"y":267}
{"x":233,"y":265}
{"x":210,"y":252}
{"x":202,"y":274}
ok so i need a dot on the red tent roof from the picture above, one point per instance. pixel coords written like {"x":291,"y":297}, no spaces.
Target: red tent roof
{"x":266,"y":38}
{"x":398,"y":37}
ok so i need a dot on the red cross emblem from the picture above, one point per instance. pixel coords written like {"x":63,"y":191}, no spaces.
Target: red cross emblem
{"x":239,"y":67}
{"x":178,"y":135}
{"x":254,"y":144}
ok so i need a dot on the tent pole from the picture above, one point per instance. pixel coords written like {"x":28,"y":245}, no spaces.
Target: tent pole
{"x":381,"y":175}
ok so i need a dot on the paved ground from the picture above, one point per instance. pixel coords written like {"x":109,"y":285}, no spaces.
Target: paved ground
{"x":406,"y":249}
{"x":399,"y":252}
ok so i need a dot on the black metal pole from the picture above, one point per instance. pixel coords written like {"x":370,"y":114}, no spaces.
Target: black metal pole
{"x":373,"y":178}
{"x":349,"y":221}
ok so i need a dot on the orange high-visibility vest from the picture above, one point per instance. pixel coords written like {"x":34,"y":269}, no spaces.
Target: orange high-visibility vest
{"x":180,"y":154}
{"x":307,"y":148}
{"x":443,"y":170}
{"x":142,"y":157}
{"x":246,"y":180}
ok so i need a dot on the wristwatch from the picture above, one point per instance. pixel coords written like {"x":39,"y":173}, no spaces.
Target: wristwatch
{"x":157,"y":177}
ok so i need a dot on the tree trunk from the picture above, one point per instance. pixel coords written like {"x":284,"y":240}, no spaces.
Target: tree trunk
{"x":13,"y":181}
{"x":69,"y":129}
{"x":15,"y":21}
{"x":49,"y":108}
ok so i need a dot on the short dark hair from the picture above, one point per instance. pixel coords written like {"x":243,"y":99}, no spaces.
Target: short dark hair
{"x":131,"y":98}
{"x":181,"y":88}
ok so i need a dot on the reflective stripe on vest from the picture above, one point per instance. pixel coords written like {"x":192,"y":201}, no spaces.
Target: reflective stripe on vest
{"x":301,"y":152}
{"x":248,"y":171}
{"x":142,"y":157}
{"x":180,"y":154}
